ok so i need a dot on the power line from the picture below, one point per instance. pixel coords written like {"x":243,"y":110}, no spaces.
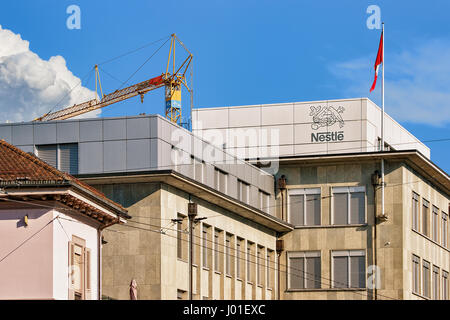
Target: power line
{"x":272,"y":268}
{"x":29,"y":238}
{"x":162,"y":232}
{"x":132,"y":51}
{"x":139,"y":68}
{"x":196,"y":193}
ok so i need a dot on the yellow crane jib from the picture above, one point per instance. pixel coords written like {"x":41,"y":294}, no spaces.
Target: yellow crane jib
{"x":172,"y":81}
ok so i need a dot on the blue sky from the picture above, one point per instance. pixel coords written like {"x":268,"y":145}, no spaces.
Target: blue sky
{"x":254,"y":52}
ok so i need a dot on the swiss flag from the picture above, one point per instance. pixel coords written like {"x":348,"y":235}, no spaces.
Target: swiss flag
{"x":378,"y":62}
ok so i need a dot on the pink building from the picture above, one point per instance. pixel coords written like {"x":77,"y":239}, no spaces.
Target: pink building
{"x":50,"y":230}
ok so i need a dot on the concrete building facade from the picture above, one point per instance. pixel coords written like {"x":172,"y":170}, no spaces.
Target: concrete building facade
{"x":288,"y":196}
{"x":330,"y":161}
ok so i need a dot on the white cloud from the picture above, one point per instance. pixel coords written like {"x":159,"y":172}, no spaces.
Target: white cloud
{"x":31,"y":86}
{"x":417,"y":85}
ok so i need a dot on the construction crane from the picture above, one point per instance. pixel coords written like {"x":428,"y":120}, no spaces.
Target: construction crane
{"x":172,"y":81}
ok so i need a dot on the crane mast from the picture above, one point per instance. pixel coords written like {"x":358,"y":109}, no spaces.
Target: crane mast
{"x":172,"y":81}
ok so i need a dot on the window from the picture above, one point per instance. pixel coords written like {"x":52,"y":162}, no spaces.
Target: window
{"x":425,"y":218}
{"x":304,"y":270}
{"x":249,"y":262}
{"x":444,"y":231}
{"x":349,"y":205}
{"x":64,"y":157}
{"x":263,"y":200}
{"x":444,"y":285}
{"x":217,"y":250}
{"x":415,"y":211}
{"x":229,"y":258}
{"x":220,"y":180}
{"x":416,"y":274}
{"x":426,"y":278}
{"x":243,"y":191}
{"x":205,"y":246}
{"x":199,"y":167}
{"x":435,"y":234}
{"x":349,"y":269}
{"x":181,"y":237}
{"x":260,"y":266}
{"x":269,"y":268}
{"x":435,"y":283}
{"x":304,"y":207}
{"x":80,"y":270}
{"x":239,"y":257}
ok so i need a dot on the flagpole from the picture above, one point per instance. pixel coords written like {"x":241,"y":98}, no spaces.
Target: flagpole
{"x":382,"y":125}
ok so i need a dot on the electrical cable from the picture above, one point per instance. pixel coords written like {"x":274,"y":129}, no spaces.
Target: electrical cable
{"x":132,"y":51}
{"x":29,"y":238}
{"x":256,"y":263}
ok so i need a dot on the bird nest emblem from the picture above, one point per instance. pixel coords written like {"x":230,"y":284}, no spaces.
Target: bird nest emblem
{"x":324,"y":116}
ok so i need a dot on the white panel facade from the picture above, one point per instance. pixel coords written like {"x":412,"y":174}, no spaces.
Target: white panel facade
{"x":302,"y":128}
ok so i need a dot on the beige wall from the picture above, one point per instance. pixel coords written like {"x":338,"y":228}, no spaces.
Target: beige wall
{"x":395,"y":241}
{"x":415,"y":242}
{"x":151,"y":258}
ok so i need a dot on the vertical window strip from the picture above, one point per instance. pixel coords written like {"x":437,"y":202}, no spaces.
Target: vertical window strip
{"x":426,"y":278}
{"x":416,"y":274}
{"x":415,"y":212}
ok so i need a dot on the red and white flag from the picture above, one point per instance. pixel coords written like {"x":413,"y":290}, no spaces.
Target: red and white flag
{"x":378,"y":62}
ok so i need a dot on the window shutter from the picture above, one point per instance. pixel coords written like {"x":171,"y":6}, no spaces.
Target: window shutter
{"x":71,"y":271}
{"x":87,"y":272}
{"x":313,"y":272}
{"x":296,"y":210}
{"x":296,"y":273}
{"x":312,"y":209}
{"x":340,"y":276}
{"x":357,"y":206}
{"x":48,"y":153}
{"x":340,"y":208}
{"x":68,"y":158}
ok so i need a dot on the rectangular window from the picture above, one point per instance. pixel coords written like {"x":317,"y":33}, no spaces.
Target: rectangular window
{"x":269,"y":268}
{"x":416,"y":274}
{"x":221,"y":180}
{"x":435,"y":235}
{"x":304,"y":270}
{"x":349,"y":269}
{"x":249,"y":262}
{"x":205,"y":246}
{"x":425,"y":218}
{"x":415,"y":211}
{"x":181,"y":241}
{"x":349,"y":205}
{"x":229,"y":258}
{"x":263,"y":200}
{"x":199,"y":167}
{"x":436,"y":283}
{"x":243,"y":191}
{"x":304,"y":207}
{"x":426,"y":278}
{"x":239,"y":257}
{"x":260,"y":266}
{"x":63,"y":157}
{"x":445,"y":285}
{"x":444,"y":230}
{"x":217,"y":250}
{"x":80,"y":270}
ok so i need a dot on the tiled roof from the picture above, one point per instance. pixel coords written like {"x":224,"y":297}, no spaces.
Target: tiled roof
{"x":17,"y":165}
